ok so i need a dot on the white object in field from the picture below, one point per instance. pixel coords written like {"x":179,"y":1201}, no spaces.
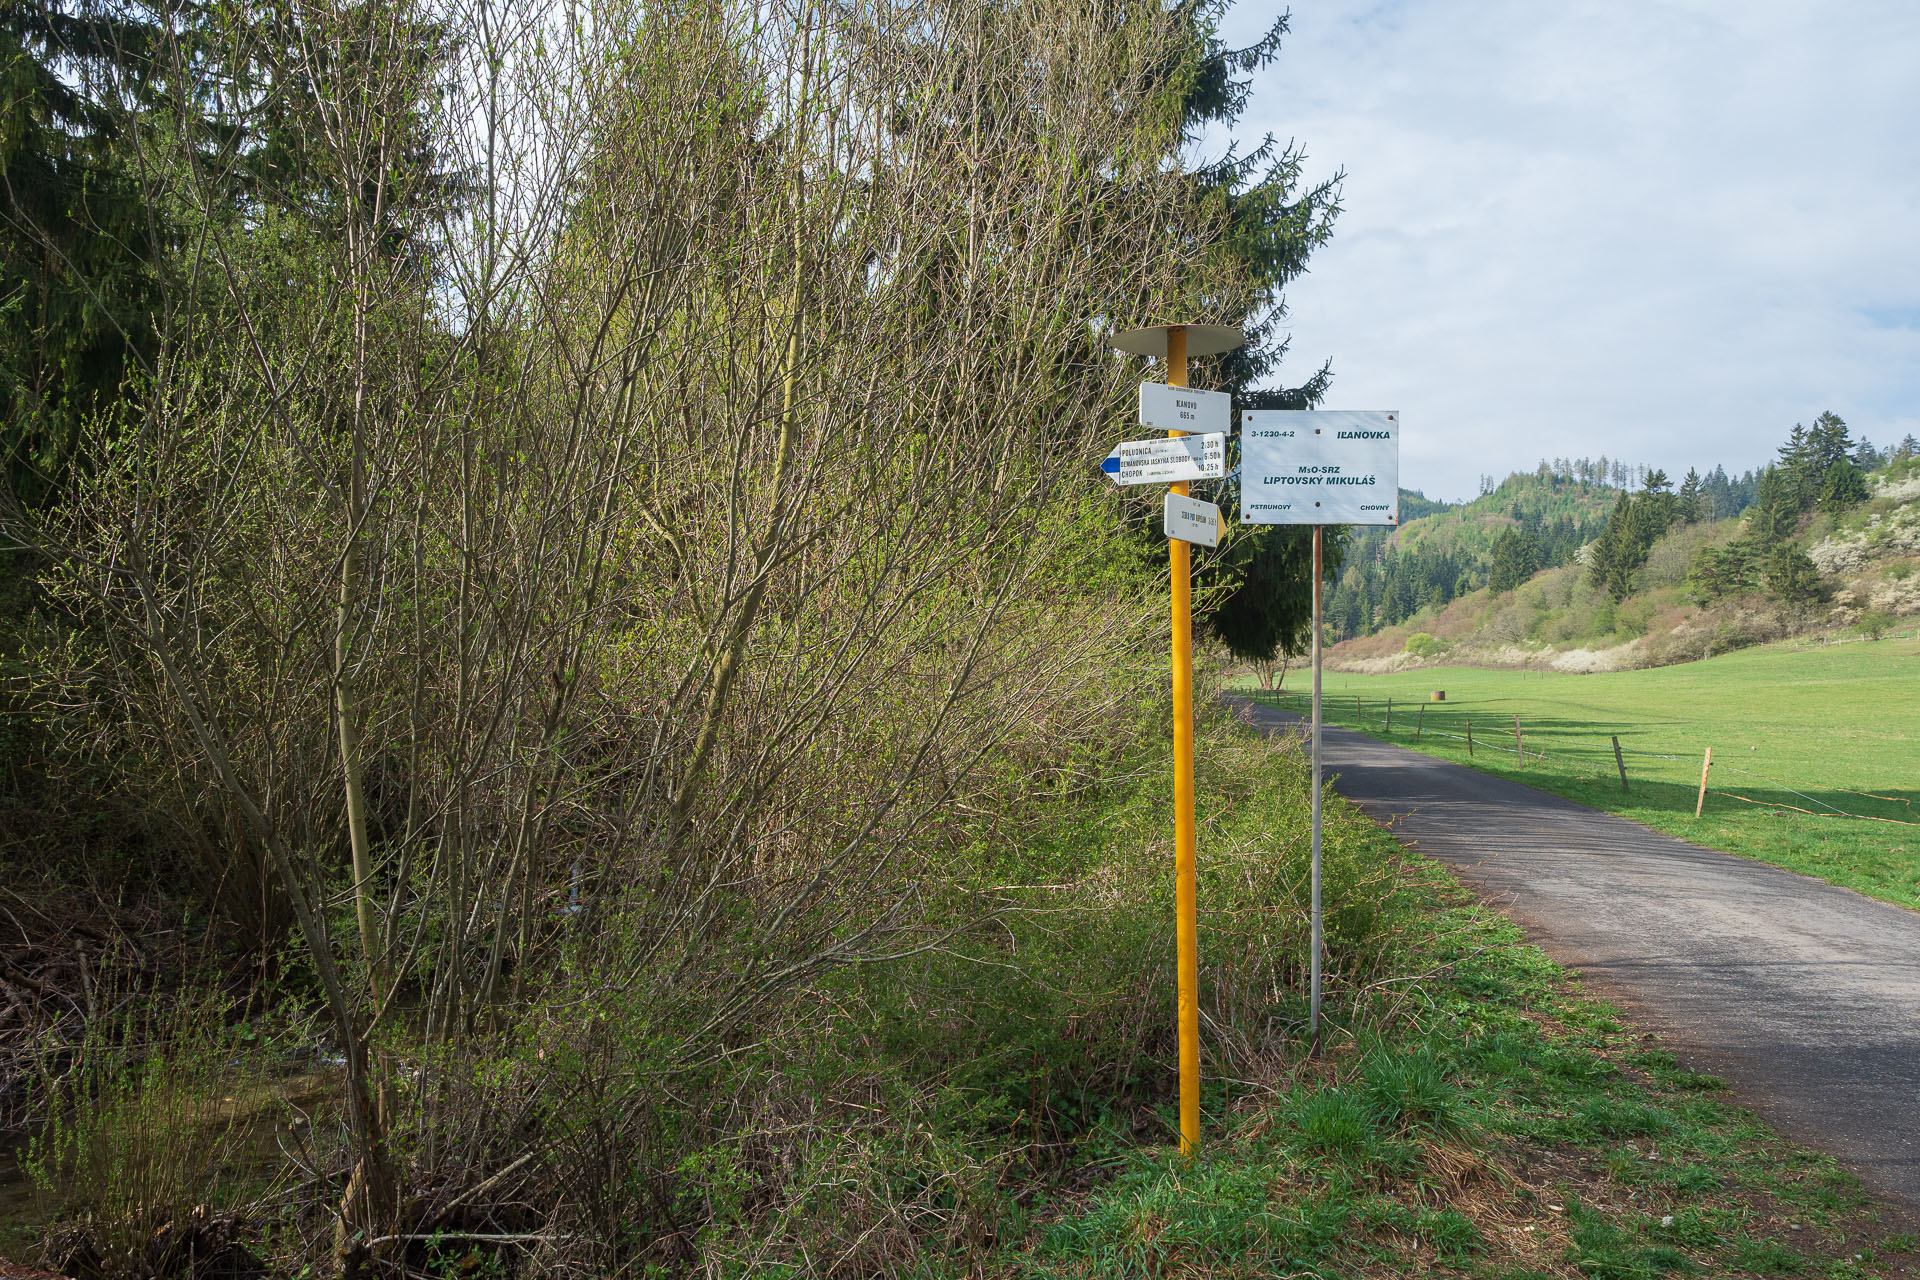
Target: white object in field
{"x":1166,"y":461}
{"x":1191,"y":520}
{"x":1319,"y":466}
{"x":1184,"y":409}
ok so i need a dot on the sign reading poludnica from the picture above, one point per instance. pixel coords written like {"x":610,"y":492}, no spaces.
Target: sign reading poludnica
{"x":1319,"y":466}
{"x":1167,"y":459}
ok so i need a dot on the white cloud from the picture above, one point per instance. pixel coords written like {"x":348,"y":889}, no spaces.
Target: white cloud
{"x":1662,"y":231}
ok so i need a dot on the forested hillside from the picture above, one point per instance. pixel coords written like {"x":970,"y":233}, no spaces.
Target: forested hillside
{"x":1822,"y":538}
{"x":1530,"y":521}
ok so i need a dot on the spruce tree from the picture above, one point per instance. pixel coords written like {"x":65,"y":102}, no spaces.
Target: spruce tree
{"x":1843,"y":487}
{"x":1689,"y":507}
{"x":1791,"y":575}
{"x":78,"y":289}
{"x":1828,"y":442}
{"x":1275,"y":222}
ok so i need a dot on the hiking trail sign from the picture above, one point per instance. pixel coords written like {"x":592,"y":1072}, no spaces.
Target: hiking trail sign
{"x":1184,"y":409}
{"x":1162,"y":461}
{"x":1190,"y":520}
{"x":1319,"y":467}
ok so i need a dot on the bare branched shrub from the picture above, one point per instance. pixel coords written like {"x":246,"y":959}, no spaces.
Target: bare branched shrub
{"x":596,"y":557}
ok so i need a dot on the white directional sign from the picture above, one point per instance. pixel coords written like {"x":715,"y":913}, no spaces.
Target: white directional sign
{"x":1184,"y":409}
{"x":1163,"y":461}
{"x":1192,"y":520}
{"x":1319,"y":467}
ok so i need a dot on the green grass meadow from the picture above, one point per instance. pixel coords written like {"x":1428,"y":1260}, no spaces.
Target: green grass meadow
{"x":1800,"y":737}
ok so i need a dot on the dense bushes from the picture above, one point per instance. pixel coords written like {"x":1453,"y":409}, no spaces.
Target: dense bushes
{"x":889,"y":1115}
{"x":599,"y":593}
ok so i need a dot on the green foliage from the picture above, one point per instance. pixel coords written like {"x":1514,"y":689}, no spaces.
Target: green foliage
{"x":78,"y":255}
{"x":1731,"y":568}
{"x":1022,"y":1015}
{"x":1333,"y":1122}
{"x":1843,"y":487}
{"x":1410,"y":1092}
{"x":1440,"y":552}
{"x":1212,"y":1217}
{"x":1768,"y":1258}
{"x":1352,"y":1182}
{"x":1637,"y":522}
{"x":1516,"y":558}
{"x":1532,"y":523}
{"x":1267,"y":606}
{"x":1691,"y":502}
{"x":142,"y":1132}
{"x":1874,"y":623}
{"x":1422,"y":645}
{"x":1792,"y":576}
{"x":1603,"y":1250}
{"x":1815,"y":468}
{"x":1256,"y":593}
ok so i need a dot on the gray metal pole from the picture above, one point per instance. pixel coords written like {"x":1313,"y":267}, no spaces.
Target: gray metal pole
{"x":1313,"y":999}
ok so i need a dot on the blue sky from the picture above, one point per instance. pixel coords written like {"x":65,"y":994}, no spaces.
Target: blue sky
{"x":1664,"y":231}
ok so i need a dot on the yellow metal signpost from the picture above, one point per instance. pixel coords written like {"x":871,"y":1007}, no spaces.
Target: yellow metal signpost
{"x":1175,"y":343}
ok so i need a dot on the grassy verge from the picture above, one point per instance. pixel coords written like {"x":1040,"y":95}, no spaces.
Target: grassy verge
{"x":1505,"y":1126}
{"x":1000,"y":1101}
{"x":1798,"y":736}
{"x":1475,"y":1115}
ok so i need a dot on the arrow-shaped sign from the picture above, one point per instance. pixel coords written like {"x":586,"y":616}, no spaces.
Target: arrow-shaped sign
{"x":1164,"y":461}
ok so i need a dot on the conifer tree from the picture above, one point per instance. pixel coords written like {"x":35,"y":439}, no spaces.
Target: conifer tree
{"x":1689,"y":507}
{"x":1843,"y":487}
{"x":77,"y":282}
{"x":1791,"y":575}
{"x":1275,"y":221}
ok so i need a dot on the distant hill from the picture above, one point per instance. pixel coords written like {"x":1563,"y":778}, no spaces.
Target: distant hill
{"x":1861,"y":571}
{"x":1415,"y":505}
{"x":1441,"y":550}
{"x":1530,"y":522}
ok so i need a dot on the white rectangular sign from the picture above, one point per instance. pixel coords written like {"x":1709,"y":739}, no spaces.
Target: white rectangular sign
{"x":1191,"y":520}
{"x":1319,"y":466}
{"x":1184,"y":409}
{"x":1163,"y":461}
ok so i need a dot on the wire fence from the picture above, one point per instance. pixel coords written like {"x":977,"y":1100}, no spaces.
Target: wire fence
{"x":1651,"y":776}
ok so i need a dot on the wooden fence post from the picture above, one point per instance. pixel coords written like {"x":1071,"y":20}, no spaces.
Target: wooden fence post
{"x":1389,"y":715}
{"x":1706,"y":763}
{"x":1519,"y":743}
{"x":1469,"y":736}
{"x":1619,"y":762}
{"x":1420,"y":722}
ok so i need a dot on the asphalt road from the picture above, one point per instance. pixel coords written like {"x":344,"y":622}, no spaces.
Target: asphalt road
{"x":1804,"y":996}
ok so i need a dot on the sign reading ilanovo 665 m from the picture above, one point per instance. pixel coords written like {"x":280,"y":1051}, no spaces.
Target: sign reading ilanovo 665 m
{"x":1184,"y":409}
{"x":1319,"y":466}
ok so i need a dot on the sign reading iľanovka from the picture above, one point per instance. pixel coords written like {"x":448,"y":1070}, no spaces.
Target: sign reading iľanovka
{"x":1320,"y":466}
